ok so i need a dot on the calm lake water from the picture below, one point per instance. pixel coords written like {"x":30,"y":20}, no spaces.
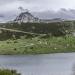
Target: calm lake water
{"x":49,"y":64}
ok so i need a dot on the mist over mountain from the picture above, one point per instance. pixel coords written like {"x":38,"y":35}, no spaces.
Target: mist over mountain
{"x":67,"y":14}
{"x":62,"y":13}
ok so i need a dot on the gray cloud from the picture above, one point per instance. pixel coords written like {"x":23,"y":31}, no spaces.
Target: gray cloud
{"x":2,"y":2}
{"x":36,"y":5}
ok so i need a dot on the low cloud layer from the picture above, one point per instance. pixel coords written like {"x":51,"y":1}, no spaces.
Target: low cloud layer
{"x":36,"y":5}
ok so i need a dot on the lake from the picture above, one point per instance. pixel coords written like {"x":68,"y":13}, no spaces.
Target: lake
{"x":46,"y":64}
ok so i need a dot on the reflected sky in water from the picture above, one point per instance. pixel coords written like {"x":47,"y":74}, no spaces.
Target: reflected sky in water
{"x":51,"y":64}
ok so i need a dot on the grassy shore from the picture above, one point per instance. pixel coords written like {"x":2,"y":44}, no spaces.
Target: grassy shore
{"x":38,"y":45}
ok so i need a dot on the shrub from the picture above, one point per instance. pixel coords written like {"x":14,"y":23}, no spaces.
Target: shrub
{"x":56,"y":28}
{"x":51,"y":29}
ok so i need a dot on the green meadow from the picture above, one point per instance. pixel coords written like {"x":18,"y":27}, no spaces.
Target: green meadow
{"x":37,"y":38}
{"x":38,"y":45}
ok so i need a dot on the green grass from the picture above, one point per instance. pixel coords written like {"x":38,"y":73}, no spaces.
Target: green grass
{"x":38,"y":45}
{"x":34,"y":41}
{"x":8,"y":72}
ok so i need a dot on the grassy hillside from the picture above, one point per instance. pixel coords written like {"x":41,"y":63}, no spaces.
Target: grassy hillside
{"x":56,"y":28}
{"x":37,"y":38}
{"x":7,"y":30}
{"x":38,"y":45}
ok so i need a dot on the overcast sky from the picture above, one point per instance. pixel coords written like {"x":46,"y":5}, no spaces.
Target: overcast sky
{"x":36,"y":5}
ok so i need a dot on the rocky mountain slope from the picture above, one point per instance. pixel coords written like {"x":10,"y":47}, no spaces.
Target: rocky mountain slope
{"x":26,"y":17}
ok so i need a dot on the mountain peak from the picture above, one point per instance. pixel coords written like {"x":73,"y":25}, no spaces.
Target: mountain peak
{"x":26,"y":17}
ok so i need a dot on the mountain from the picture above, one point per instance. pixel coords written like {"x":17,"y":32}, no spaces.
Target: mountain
{"x":26,"y":17}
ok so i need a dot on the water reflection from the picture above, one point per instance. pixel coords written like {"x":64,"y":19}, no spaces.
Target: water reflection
{"x":51,"y":64}
{"x":73,"y":69}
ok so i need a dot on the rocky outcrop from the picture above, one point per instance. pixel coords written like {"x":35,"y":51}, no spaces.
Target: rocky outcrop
{"x":26,"y":17}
